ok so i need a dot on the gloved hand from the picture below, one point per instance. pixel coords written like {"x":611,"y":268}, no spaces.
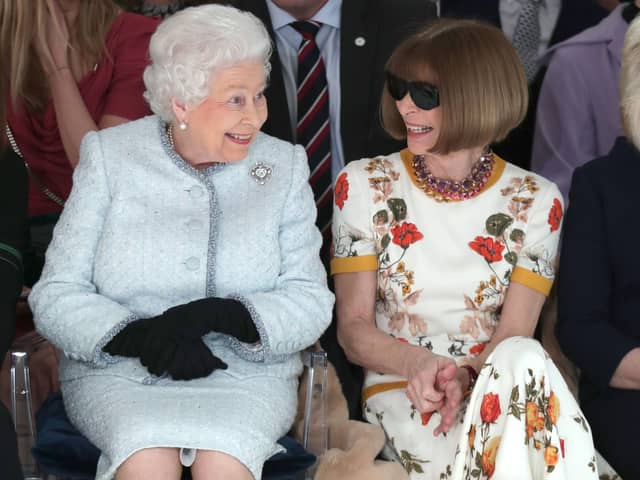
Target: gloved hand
{"x":182,"y":359}
{"x":194,"y":319}
{"x":172,"y":341}
{"x":129,"y":341}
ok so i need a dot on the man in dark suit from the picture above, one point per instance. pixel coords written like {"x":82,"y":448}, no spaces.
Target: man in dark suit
{"x":369,"y":30}
{"x":356,"y":38}
{"x":559,"y":20}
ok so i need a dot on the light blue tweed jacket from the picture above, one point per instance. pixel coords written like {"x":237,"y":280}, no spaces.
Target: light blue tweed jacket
{"x":143,"y":231}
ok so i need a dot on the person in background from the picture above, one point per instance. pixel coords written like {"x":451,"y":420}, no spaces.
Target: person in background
{"x":532,"y":26}
{"x":13,"y":214}
{"x":599,"y":293}
{"x":157,"y":8}
{"x":184,"y":276}
{"x":578,"y":117}
{"x":350,"y":40}
{"x":444,"y":254}
{"x":70,"y":67}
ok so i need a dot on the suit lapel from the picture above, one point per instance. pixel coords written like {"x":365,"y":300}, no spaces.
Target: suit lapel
{"x":357,"y":47}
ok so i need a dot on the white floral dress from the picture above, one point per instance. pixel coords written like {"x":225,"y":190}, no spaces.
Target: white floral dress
{"x":443,"y":271}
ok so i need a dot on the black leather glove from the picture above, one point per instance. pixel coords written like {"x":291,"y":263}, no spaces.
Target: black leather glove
{"x":194,"y":319}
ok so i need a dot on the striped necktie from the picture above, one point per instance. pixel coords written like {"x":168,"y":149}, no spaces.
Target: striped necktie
{"x":526,"y":37}
{"x":313,"y":128}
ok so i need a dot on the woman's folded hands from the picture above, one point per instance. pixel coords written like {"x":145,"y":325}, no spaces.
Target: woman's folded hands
{"x":172,"y":342}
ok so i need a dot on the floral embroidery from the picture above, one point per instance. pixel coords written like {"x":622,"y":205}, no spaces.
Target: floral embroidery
{"x":478,"y":348}
{"x":395,"y":293}
{"x":489,"y":456}
{"x":488,"y":248}
{"x":551,"y":456}
{"x":555,"y":215}
{"x":490,"y":408}
{"x":405,"y":234}
{"x":501,"y":249}
{"x":425,"y":417}
{"x":541,"y":412}
{"x":341,"y":191}
{"x":483,"y":462}
{"x":520,"y":204}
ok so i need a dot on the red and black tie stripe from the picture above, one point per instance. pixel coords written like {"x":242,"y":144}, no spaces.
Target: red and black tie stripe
{"x":313,"y":128}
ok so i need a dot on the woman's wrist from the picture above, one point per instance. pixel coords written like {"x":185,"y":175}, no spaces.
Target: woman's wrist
{"x":54,"y":71}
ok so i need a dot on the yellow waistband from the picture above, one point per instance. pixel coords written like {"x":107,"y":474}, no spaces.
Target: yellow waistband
{"x":382,"y":387}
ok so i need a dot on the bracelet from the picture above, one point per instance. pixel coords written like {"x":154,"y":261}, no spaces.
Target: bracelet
{"x":473,"y":376}
{"x":58,"y":69}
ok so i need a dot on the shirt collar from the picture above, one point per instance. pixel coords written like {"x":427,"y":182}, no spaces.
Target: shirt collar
{"x":329,"y":14}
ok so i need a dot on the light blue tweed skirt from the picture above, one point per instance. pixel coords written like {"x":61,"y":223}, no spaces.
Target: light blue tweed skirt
{"x":240,"y":417}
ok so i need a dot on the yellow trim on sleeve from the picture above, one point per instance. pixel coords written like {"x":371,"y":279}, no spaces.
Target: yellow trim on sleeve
{"x":498,"y":168}
{"x":364,"y":263}
{"x":381,"y":388}
{"x":531,"y":280}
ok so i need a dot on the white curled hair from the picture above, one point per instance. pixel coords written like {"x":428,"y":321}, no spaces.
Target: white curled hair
{"x":191,"y":45}
{"x":630,"y":83}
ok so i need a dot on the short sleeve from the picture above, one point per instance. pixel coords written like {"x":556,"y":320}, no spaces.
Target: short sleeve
{"x":130,"y":51}
{"x":537,"y":260}
{"x":353,"y":246}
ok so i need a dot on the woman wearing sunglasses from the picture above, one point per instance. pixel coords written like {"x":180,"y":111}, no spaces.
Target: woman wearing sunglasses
{"x":443,"y":255}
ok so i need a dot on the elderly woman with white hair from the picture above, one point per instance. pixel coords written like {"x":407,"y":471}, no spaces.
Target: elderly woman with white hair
{"x":184,"y":278}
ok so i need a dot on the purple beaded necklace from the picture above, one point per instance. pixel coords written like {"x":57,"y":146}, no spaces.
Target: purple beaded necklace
{"x":448,"y":190}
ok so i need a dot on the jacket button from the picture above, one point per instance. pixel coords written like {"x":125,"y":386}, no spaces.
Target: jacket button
{"x":192,"y":263}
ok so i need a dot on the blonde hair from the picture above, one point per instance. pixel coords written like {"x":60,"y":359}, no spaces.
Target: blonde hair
{"x":483,"y":88}
{"x":630,"y":83}
{"x":22,"y":24}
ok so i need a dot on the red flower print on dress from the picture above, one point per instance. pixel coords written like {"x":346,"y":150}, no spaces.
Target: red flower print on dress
{"x":555,"y":215}
{"x":490,"y":408}
{"x":490,"y":249}
{"x":405,"y":234}
{"x":478,"y":348}
{"x":425,"y":417}
{"x":341,"y":190}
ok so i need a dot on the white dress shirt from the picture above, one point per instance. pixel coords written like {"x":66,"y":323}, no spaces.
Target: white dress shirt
{"x":328,"y":40}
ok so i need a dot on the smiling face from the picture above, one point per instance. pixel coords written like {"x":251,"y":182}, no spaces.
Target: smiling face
{"x":423,"y":126}
{"x":223,"y":126}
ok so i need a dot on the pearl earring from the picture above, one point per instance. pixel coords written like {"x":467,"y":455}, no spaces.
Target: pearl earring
{"x":182,"y":125}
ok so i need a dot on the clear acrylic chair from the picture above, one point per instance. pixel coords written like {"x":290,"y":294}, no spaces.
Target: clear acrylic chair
{"x":21,"y":402}
{"x":314,"y":432}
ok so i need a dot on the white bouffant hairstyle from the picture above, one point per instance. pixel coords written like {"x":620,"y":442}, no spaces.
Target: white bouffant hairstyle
{"x":190,"y":46}
{"x":630,"y":83}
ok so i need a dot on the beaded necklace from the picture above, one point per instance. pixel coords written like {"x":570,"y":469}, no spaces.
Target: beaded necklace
{"x":448,"y":190}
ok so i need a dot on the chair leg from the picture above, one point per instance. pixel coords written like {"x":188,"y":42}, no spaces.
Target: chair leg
{"x":22,"y":413}
{"x":315,"y":435}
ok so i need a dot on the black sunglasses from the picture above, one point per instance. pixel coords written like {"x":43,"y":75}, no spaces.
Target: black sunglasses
{"x":423,"y":94}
